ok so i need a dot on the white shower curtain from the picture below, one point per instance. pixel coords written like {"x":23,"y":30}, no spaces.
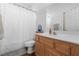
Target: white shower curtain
{"x":19,"y":25}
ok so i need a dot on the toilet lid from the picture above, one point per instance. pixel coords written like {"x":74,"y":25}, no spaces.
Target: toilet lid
{"x":27,"y":42}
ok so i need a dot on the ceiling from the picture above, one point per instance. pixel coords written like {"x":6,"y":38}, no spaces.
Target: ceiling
{"x":37,"y":7}
{"x":34,"y":6}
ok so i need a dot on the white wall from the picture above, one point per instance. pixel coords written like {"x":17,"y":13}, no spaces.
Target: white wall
{"x":19,"y":25}
{"x":55,"y":14}
{"x":41,"y":19}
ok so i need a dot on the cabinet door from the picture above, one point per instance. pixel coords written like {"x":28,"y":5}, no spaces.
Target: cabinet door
{"x":52,"y":52}
{"x":62,"y":47}
{"x":48,"y":52}
{"x":39,"y":49}
{"x":75,"y":50}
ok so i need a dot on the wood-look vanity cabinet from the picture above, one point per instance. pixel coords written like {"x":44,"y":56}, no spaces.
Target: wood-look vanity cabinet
{"x":46,"y":46}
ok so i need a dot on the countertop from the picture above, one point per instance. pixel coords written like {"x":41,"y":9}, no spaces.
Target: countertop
{"x":72,"y":38}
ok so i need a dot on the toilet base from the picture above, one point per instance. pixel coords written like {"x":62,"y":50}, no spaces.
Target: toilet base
{"x":29,"y":46}
{"x":29,"y":50}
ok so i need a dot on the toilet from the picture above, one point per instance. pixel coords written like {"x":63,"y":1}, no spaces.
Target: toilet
{"x":29,"y":45}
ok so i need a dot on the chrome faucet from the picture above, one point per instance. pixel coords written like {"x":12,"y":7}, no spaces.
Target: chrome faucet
{"x":55,"y":28}
{"x":50,"y":31}
{"x":54,"y":33}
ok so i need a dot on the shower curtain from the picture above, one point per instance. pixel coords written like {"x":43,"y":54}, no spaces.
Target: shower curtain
{"x":19,"y":26}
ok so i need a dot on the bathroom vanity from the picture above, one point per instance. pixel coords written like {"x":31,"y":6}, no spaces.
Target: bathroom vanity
{"x":56,"y":45}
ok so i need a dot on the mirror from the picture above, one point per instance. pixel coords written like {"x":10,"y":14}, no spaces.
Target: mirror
{"x":66,"y":15}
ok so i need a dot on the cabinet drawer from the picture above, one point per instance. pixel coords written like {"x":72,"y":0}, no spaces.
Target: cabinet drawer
{"x":37,"y":38}
{"x":47,"y":41}
{"x":62,"y":47}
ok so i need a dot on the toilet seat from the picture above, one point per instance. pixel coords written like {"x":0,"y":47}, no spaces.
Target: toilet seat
{"x":32,"y":41}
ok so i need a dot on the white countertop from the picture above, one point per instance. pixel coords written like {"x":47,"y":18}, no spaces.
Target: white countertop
{"x":73,"y":38}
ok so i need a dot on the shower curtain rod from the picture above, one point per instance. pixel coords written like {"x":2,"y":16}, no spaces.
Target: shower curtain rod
{"x":24,"y":7}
